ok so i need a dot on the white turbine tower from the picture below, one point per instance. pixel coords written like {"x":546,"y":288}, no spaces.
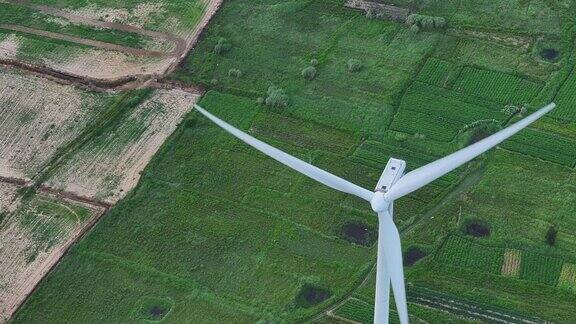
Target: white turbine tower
{"x":393,"y":184}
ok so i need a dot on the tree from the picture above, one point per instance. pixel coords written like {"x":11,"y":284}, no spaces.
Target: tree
{"x":551,"y":235}
{"x":309,"y":73}
{"x":277,"y":98}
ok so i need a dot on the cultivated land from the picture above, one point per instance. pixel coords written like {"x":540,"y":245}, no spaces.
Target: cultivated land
{"x":216,"y":232}
{"x":104,"y":41}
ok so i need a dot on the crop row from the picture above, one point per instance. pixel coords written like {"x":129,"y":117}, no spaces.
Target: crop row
{"x":546,"y":146}
{"x":566,"y":100}
{"x":464,"y":253}
{"x":440,"y":113}
{"x":435,"y":72}
{"x":496,"y":86}
{"x":356,"y":310}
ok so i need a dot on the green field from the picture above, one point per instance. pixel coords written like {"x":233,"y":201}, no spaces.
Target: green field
{"x":216,"y":232}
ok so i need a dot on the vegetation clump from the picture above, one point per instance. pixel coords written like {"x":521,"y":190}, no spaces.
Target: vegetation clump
{"x":418,"y":22}
{"x":311,"y":295}
{"x":309,"y":73}
{"x":551,"y":236}
{"x":222,"y":46}
{"x":277,"y":98}
{"x":354,"y":65}
{"x":476,"y":227}
{"x":314,"y":62}
{"x":412,"y":255}
{"x":235,"y":73}
{"x":359,"y":233}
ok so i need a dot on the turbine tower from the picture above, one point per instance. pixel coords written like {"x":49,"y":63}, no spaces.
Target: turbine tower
{"x":393,"y":184}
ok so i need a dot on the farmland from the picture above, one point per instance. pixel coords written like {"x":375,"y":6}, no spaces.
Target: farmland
{"x":102,"y":43}
{"x":217,"y":232}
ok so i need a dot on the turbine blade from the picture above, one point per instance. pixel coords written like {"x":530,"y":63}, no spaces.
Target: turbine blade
{"x":382,"y":303}
{"x":307,"y":169}
{"x":420,"y":177}
{"x":389,"y":245}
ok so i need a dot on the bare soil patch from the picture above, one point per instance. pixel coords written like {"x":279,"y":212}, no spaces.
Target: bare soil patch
{"x":37,"y":117}
{"x":109,"y":166}
{"x":511,"y":265}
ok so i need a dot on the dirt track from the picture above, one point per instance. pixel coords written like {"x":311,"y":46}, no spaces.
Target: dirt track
{"x":84,"y":41}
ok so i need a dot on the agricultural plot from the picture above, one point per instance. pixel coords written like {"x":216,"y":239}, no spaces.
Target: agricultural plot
{"x":109,"y":166}
{"x":33,"y":238}
{"x":36,"y":118}
{"x":440,"y":114}
{"x":461,"y":252}
{"x":568,"y":276}
{"x":435,"y":72}
{"x":541,"y":269}
{"x":8,"y":199}
{"x":499,"y":87}
{"x":543,"y":145}
{"x":511,"y":265}
{"x":566,"y":100}
{"x":105,"y":43}
{"x":199,"y":240}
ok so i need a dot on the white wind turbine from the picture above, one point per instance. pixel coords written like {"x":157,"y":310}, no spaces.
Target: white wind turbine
{"x":393,"y":184}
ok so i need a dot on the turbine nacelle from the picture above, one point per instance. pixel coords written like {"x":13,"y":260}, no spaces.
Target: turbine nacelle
{"x":392,"y":173}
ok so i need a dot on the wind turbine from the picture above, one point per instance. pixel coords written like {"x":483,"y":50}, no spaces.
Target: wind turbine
{"x":393,"y":184}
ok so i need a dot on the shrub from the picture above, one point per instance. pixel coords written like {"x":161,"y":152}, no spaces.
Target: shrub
{"x":236,"y":73}
{"x":415,"y":29}
{"x":439,"y":22}
{"x":427,"y":22}
{"x":214,"y":82}
{"x":314,"y":62}
{"x":354,"y":65}
{"x":551,"y":236}
{"x":222,"y":46}
{"x":412,"y":19}
{"x":260,"y":100}
{"x":309,"y":73}
{"x":277,"y":98}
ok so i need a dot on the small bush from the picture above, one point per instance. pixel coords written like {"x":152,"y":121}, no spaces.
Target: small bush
{"x":235,"y":73}
{"x":412,"y":19}
{"x":551,"y":236}
{"x":314,"y":62}
{"x":354,"y":65}
{"x":277,"y":98}
{"x":415,"y":29}
{"x":260,"y":100}
{"x":309,"y":73}
{"x":222,"y":46}
{"x":439,"y":22}
{"x":214,"y":82}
